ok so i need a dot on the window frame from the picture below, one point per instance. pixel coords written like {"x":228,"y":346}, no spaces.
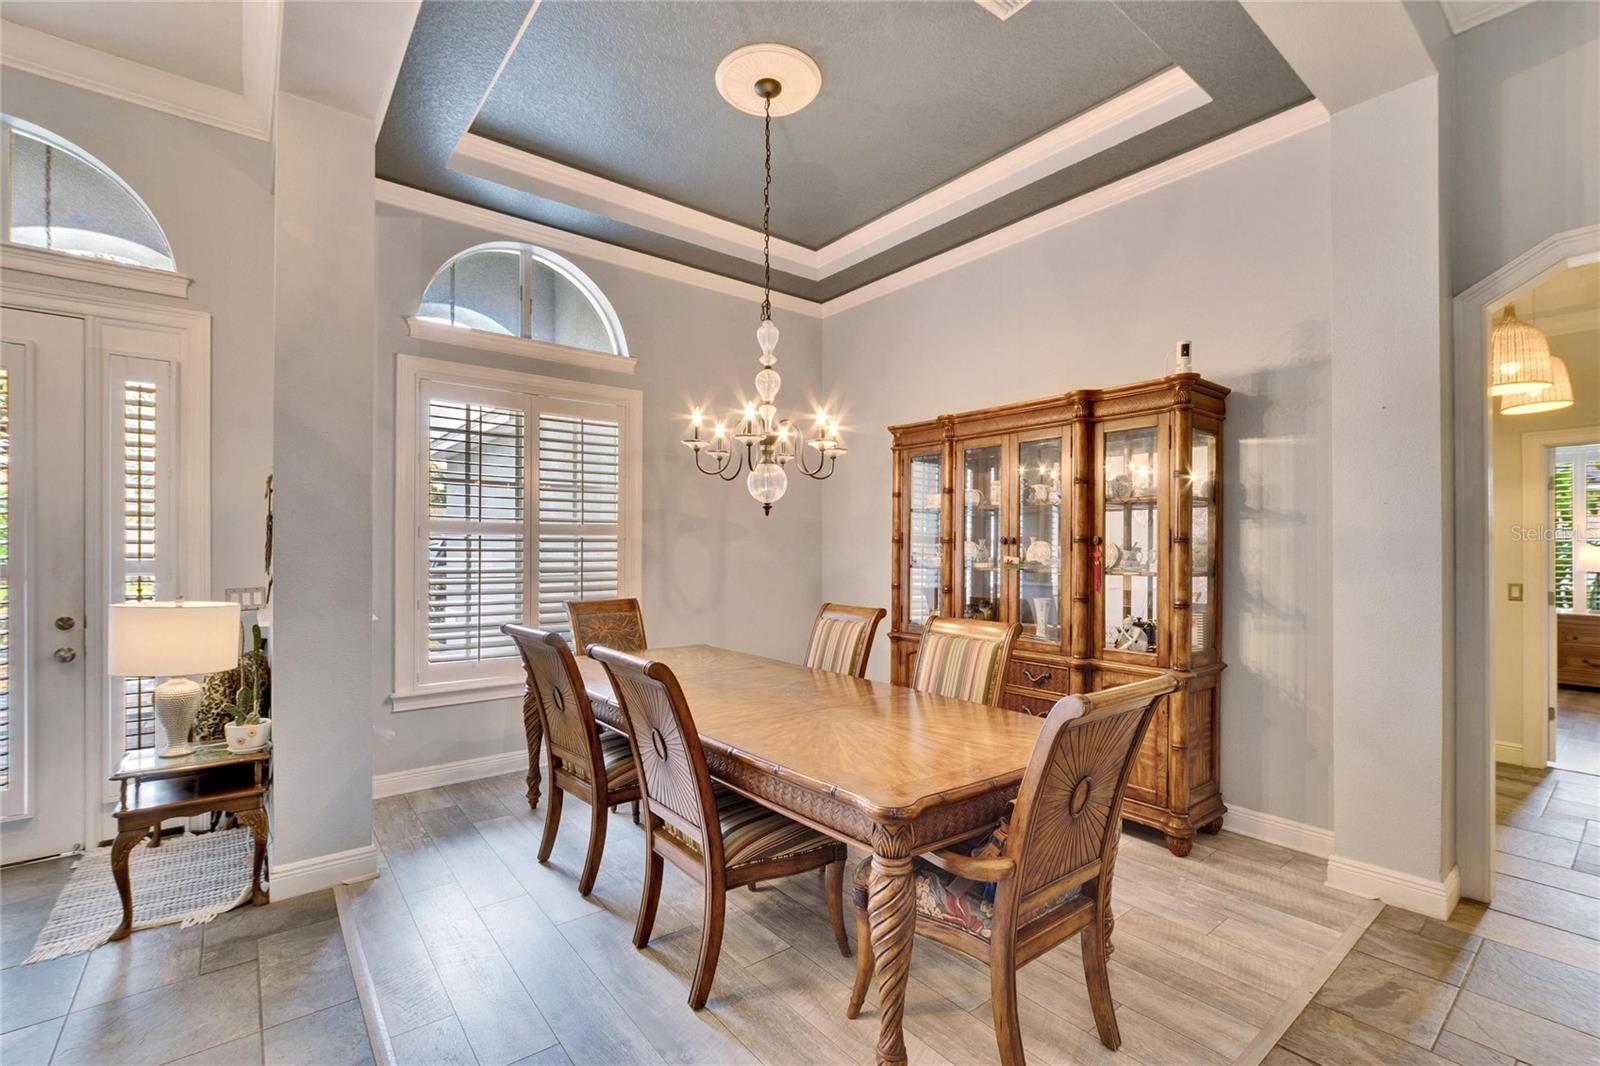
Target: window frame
{"x":413,"y":377}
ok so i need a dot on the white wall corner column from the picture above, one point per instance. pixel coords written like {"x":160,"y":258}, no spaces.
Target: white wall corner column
{"x":323,"y":400}
{"x":1392,"y":610}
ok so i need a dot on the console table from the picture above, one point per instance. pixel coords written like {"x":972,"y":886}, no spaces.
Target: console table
{"x":155,"y":790}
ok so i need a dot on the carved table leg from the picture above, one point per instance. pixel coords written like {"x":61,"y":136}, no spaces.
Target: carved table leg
{"x":534,"y":727}
{"x":892,"y":912}
{"x":1180,"y":846}
{"x":125,"y":842}
{"x":257,"y":821}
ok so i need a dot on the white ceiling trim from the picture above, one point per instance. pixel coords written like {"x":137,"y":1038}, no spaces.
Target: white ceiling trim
{"x":1463,"y":16}
{"x":509,"y":227}
{"x":1267,"y":132}
{"x":391,"y":76}
{"x":1143,"y":107}
{"x":249,"y":113}
{"x":1241,"y":142}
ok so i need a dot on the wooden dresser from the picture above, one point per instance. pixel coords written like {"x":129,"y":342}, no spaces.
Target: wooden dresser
{"x":1094,"y":520}
{"x":1578,"y":649}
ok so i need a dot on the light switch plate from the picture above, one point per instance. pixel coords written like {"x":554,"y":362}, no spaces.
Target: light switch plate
{"x":252,"y":598}
{"x":1514,"y":592}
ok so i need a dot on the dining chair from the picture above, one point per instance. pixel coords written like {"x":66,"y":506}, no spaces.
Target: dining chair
{"x":615,"y":623}
{"x":841,"y":638}
{"x":1044,"y":873}
{"x":714,"y":835}
{"x":964,"y":658}
{"x":595,"y":764}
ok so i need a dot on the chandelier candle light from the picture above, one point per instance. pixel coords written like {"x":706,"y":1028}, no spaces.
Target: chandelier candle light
{"x":762,"y":442}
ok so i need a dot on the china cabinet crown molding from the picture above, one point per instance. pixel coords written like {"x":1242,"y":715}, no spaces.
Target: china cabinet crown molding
{"x":1093,"y":518}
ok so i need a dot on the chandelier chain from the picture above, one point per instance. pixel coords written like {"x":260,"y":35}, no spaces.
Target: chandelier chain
{"x":766,"y":217}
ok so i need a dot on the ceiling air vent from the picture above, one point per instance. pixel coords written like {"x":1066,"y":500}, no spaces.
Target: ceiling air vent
{"x":1002,"y":9}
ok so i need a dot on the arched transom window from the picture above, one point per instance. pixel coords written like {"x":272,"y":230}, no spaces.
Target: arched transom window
{"x":61,"y":198}
{"x":517,"y":290}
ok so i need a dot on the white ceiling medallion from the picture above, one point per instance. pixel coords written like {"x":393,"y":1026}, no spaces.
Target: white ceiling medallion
{"x":1002,"y":9}
{"x":741,"y":68}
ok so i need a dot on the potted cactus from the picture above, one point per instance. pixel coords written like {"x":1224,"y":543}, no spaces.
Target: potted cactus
{"x":248,"y":731}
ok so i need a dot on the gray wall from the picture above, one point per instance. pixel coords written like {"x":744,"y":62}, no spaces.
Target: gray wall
{"x":1236,"y":260}
{"x":1526,"y":144}
{"x":715,"y":569}
{"x":212,"y":193}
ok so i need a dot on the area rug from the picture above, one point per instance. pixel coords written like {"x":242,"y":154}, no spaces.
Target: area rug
{"x":189,"y":879}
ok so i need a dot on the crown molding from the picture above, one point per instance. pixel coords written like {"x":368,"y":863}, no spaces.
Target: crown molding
{"x":43,"y":261}
{"x":249,"y":113}
{"x":509,"y":227}
{"x":1476,"y":14}
{"x":443,"y":333}
{"x":1241,"y":142}
{"x":1143,"y":107}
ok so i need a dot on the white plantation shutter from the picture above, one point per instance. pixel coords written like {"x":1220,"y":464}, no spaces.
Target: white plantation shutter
{"x":519,"y":508}
{"x":580,"y":509}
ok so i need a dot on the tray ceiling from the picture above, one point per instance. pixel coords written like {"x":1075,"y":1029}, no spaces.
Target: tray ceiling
{"x":937,"y":122}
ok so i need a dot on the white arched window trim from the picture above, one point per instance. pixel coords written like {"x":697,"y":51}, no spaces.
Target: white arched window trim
{"x":80,"y":266}
{"x":620,"y":362}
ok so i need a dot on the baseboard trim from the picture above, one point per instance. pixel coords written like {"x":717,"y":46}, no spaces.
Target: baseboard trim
{"x":1284,"y":832}
{"x":1507,"y":752}
{"x":322,"y":871}
{"x":1435,"y":899}
{"x":448,"y":773}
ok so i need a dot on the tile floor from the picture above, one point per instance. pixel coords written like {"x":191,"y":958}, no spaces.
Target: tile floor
{"x":1578,"y":730}
{"x":260,"y":985}
{"x":1518,"y":981}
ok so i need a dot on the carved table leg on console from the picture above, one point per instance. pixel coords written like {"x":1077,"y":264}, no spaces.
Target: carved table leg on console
{"x":892,"y":913}
{"x":257,"y":821}
{"x":125,"y":842}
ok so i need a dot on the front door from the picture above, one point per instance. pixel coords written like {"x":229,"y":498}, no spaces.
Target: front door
{"x":43,"y":741}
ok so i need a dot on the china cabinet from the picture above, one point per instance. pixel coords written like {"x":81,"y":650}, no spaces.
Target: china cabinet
{"x":1093,"y":519}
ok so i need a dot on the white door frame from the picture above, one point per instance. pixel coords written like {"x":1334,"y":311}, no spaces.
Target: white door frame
{"x":1474,"y":544}
{"x":184,"y":338}
{"x":1538,"y":633}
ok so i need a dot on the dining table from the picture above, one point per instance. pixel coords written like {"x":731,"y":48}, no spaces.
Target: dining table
{"x":897,"y":771}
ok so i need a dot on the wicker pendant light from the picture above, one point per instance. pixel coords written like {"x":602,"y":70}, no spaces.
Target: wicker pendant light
{"x":1554,"y":398}
{"x":1519,"y":357}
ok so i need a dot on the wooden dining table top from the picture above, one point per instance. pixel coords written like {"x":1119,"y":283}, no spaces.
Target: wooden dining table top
{"x":890,"y":751}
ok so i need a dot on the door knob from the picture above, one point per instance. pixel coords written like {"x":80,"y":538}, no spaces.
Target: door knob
{"x":65,"y":622}
{"x":64,"y":655}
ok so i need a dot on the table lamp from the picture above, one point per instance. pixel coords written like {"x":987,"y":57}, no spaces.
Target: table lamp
{"x":173,"y":640}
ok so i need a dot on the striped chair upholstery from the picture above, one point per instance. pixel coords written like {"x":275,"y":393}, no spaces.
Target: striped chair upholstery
{"x":841,"y":638}
{"x":964,"y":659}
{"x":753,"y":833}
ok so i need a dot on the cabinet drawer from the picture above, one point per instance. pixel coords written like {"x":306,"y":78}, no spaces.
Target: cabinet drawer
{"x":1037,"y":704}
{"x":1040,"y":677}
{"x":1577,"y":665}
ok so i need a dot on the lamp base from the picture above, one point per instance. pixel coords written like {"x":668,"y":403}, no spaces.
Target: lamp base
{"x":177,"y":704}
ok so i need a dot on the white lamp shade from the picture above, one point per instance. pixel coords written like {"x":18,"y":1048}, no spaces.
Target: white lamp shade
{"x":1588,"y":556}
{"x":172,"y":639}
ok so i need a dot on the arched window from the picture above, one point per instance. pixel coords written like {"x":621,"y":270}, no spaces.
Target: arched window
{"x":62,"y":198}
{"x":517,"y":290}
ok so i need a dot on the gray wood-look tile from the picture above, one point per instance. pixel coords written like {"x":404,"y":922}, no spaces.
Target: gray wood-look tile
{"x":1551,"y":906}
{"x":245,"y":1051}
{"x":1458,"y":1049}
{"x":1513,"y":841}
{"x":37,"y":993}
{"x":408,"y":988}
{"x":1327,"y":1036}
{"x":1526,"y":1037}
{"x":476,"y":867}
{"x":1541,"y":986}
{"x":1205,"y":983}
{"x":1282,"y":1056}
{"x":1271,"y":977}
{"x":554,"y":1055}
{"x":478,"y":800}
{"x":1563,"y":877}
{"x":164,"y":1023}
{"x":440,"y":1043}
{"x":153,"y":958}
{"x":1588,"y":860}
{"x":1541,"y":939}
{"x":1420,"y":953}
{"x":303,"y":971}
{"x":1572,"y":808}
{"x":335,"y":1036}
{"x":30,"y":894}
{"x":500,"y":1019}
{"x":430,"y":799}
{"x":1387,"y":997}
{"x":230,"y":938}
{"x":407,"y":848}
{"x":31,"y":1045}
{"x":590,"y":1024}
{"x":1563,"y":826}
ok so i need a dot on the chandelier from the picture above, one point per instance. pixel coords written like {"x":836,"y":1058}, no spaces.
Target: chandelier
{"x":758,"y":440}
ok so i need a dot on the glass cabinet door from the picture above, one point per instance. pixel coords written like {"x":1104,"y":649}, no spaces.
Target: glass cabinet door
{"x":1203,"y":561}
{"x":1041,"y":529}
{"x":981,"y":495}
{"x":925,"y":554}
{"x":1131,"y":547}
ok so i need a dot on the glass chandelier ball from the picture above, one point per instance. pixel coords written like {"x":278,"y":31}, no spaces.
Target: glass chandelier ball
{"x":767,"y":483}
{"x":767,"y":337}
{"x":767,"y":384}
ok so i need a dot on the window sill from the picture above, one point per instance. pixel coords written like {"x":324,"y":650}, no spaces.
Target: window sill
{"x":99,"y":271}
{"x":422,"y":329}
{"x":400,"y":702}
